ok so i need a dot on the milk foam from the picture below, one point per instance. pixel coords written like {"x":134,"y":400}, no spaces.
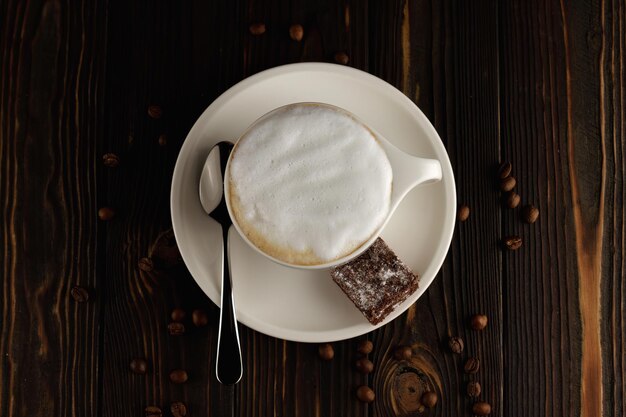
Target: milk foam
{"x":309,"y":184}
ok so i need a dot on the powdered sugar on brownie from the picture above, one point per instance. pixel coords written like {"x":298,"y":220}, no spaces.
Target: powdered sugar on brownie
{"x":376,"y":281}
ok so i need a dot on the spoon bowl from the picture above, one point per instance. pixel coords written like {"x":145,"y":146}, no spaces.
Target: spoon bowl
{"x":211,"y":181}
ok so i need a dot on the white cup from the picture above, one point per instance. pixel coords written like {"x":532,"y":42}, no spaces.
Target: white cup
{"x":408,"y":172}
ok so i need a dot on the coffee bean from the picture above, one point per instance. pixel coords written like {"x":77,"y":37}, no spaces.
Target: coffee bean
{"x":199,"y":318}
{"x":530,"y":214}
{"x":146,"y":264}
{"x":155,"y":111}
{"x":178,"y":376}
{"x":403,"y":353}
{"x":455,"y":344}
{"x":478,"y":321}
{"x":153,"y":411}
{"x":364,"y":347}
{"x":110,"y":160}
{"x":429,"y":399}
{"x":481,"y":409}
{"x":512,"y":242}
{"x":504,"y":170}
{"x":512,"y":199}
{"x":472,"y":365}
{"x":473,"y":389}
{"x":507,"y":184}
{"x":296,"y":32}
{"x":178,"y":314}
{"x":364,"y":366}
{"x":342,"y":58}
{"x":176,"y":329}
{"x":178,"y":409}
{"x":106,"y":213}
{"x":257,"y":29}
{"x":162,"y":139}
{"x":463,"y":213}
{"x":139,"y":366}
{"x":326,"y":351}
{"x":365,"y":394}
{"x":79,"y":294}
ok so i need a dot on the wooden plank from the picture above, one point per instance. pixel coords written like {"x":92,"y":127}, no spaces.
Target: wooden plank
{"x":51,"y":121}
{"x":284,"y":378}
{"x":563,"y":106}
{"x":443,"y":55}
{"x":179,"y":55}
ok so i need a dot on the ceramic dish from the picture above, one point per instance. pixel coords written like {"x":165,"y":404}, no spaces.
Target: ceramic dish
{"x":306,"y":305}
{"x":409,"y":171}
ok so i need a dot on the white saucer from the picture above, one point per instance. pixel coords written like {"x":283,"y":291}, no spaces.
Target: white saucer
{"x":306,"y":305}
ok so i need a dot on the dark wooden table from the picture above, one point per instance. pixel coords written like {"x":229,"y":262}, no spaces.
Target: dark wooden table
{"x":539,"y":83}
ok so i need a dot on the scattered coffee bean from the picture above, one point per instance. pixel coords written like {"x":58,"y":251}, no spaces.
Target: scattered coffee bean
{"x":257,"y":29}
{"x":199,"y":318}
{"x":106,"y":213}
{"x":153,"y":411}
{"x":178,"y":314}
{"x":472,"y":365}
{"x":296,"y":32}
{"x":162,"y":139}
{"x":139,"y":366}
{"x":155,"y":111}
{"x":110,"y":160}
{"x":504,"y":170}
{"x":455,"y":344}
{"x":507,"y":184}
{"x":326,"y":351}
{"x":365,"y":347}
{"x":79,"y":294}
{"x":365,"y":394}
{"x":463,"y":213}
{"x":403,"y":353}
{"x":176,"y":329}
{"x":481,"y":408}
{"x":342,"y":58}
{"x":146,"y":264}
{"x":429,"y":399}
{"x":512,"y":242}
{"x":473,"y":389}
{"x":178,"y":409}
{"x":512,"y":199}
{"x":364,"y":366}
{"x":530,"y":214}
{"x":178,"y":376}
{"x":478,"y":321}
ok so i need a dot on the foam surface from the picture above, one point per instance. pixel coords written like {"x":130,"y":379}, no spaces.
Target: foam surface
{"x":309,"y":184}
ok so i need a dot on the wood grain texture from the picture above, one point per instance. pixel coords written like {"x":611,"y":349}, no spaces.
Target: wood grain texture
{"x":561,"y":107}
{"x":541,"y":84}
{"x":171,"y":55}
{"x":52,"y":76}
{"x":452,"y":48}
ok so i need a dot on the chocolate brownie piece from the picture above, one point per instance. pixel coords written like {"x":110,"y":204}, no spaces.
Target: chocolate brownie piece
{"x":376,"y":281}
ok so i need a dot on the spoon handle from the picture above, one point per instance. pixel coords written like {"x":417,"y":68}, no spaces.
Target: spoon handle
{"x":229,"y":367}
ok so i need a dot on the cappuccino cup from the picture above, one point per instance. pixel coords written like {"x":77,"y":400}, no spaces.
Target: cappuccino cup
{"x":309,"y":185}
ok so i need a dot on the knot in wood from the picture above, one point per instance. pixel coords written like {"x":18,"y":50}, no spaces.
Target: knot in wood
{"x":165,"y":253}
{"x":408,"y":389}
